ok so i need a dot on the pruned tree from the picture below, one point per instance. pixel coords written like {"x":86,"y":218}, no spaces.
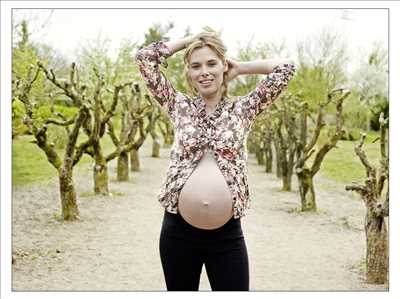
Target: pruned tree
{"x":286,"y":138}
{"x":129,"y":141}
{"x":64,"y":165}
{"x":96,"y":120}
{"x":123,"y":126}
{"x":133,"y":113}
{"x":305,"y":173}
{"x":25,"y":53}
{"x":377,"y":207}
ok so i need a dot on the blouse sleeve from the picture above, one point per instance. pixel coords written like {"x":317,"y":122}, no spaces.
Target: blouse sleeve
{"x":267,"y":91}
{"x":148,"y":59}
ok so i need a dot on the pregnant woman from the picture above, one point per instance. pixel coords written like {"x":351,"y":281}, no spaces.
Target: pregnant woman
{"x":205,"y":191}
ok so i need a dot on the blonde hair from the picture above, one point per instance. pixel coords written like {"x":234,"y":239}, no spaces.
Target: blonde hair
{"x":208,"y":37}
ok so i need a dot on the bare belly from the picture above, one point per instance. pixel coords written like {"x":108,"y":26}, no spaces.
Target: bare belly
{"x":205,"y":200}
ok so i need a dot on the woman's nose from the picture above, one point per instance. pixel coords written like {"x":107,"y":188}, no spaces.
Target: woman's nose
{"x":204,"y":71}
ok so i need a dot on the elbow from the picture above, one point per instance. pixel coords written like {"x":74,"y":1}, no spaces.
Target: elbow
{"x":139,"y":55}
{"x":286,"y":64}
{"x":290,"y":66}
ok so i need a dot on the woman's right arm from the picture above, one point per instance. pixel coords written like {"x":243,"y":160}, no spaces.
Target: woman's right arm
{"x":149,"y":58}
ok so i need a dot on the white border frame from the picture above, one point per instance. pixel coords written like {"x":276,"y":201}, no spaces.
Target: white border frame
{"x":6,"y":145}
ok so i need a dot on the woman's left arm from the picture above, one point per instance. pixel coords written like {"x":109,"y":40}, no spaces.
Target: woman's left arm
{"x":262,"y":66}
{"x":277,"y":71}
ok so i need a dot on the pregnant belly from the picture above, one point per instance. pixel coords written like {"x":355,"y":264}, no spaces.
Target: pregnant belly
{"x":205,"y":200}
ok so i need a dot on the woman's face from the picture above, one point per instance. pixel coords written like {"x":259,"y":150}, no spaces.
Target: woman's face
{"x":206,"y":71}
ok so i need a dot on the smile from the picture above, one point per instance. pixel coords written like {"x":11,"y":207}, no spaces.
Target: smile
{"x":205,"y":82}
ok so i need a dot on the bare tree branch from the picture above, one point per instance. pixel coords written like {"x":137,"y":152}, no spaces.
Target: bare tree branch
{"x":361,"y":154}
{"x":61,"y":123}
{"x":362,"y":190}
{"x":63,"y":85}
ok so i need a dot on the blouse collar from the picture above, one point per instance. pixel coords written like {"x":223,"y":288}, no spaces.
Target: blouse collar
{"x":201,"y":106}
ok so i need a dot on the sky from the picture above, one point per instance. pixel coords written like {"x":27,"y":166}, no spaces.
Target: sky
{"x":66,"y":29}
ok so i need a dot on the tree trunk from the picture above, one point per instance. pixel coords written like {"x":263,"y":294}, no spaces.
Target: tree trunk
{"x":278,"y":158}
{"x":377,"y":249}
{"x":287,"y":181}
{"x":100,"y":171}
{"x":377,"y":260}
{"x":259,"y":155}
{"x":268,"y":151}
{"x":285,"y":170}
{"x":100,"y":174}
{"x":135,"y":161}
{"x":307,"y":193}
{"x":250,"y":146}
{"x":69,"y":207}
{"x":169,"y":138}
{"x":123,"y":167}
{"x":268,"y":159}
{"x":156,"y":148}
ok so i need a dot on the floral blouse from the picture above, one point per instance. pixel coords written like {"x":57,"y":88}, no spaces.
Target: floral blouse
{"x":224,"y":131}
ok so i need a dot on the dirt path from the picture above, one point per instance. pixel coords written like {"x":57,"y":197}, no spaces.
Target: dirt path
{"x":115,"y":245}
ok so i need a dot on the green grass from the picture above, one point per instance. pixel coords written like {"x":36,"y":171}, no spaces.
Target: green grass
{"x":30,"y":164}
{"x":343,"y":165}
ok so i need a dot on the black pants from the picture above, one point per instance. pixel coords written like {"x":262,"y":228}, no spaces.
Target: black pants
{"x":184,"y":249}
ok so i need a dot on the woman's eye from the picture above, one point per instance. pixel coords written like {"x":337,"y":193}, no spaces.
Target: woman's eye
{"x":212,"y":64}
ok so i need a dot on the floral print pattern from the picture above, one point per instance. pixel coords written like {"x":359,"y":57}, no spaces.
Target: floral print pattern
{"x":224,"y":131}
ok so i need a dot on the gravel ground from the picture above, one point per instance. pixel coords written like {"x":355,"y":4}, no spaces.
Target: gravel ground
{"x":114,"y":247}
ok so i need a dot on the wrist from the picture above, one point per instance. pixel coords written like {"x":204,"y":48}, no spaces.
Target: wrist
{"x":186,"y":41}
{"x":177,"y":45}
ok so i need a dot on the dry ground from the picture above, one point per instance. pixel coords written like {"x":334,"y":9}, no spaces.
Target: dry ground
{"x":115,"y":245}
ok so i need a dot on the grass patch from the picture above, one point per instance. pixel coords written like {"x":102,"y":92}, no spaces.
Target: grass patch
{"x":30,"y":165}
{"x":343,"y":165}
